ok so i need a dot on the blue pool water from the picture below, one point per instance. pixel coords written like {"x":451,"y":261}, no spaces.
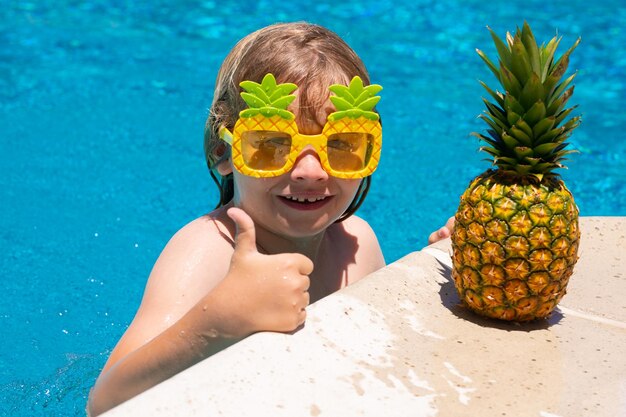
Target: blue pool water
{"x":102,"y":107}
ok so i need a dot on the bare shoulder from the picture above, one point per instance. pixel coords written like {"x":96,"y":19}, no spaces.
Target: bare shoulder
{"x":207,"y":232}
{"x":362,"y":231}
{"x":356,"y":234}
{"x":357,"y":226}
{"x":195,"y":259}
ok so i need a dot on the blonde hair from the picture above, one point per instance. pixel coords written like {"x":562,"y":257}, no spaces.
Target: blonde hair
{"x":308,"y":55}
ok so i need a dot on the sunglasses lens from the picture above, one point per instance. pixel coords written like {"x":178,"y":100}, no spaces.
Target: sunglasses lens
{"x":265,"y":150}
{"x":350,"y":151}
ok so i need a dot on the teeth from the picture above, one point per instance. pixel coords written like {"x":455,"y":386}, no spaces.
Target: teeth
{"x":305,"y":199}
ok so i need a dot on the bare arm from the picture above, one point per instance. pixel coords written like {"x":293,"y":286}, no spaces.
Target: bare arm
{"x":158,"y":342}
{"x":175,"y":349}
{"x":195,"y":306}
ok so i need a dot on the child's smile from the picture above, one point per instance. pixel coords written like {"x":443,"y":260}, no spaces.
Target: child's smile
{"x":306,"y":202}
{"x":300,"y":203}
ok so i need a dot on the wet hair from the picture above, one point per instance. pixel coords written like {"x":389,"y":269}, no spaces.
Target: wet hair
{"x":308,"y":55}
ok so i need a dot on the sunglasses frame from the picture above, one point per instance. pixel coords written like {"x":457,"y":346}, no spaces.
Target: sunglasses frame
{"x":300,"y":141}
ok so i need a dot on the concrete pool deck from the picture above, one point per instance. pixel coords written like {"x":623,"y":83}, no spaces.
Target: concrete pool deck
{"x":397,"y":343}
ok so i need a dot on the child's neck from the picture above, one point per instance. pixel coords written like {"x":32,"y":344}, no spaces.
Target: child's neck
{"x":270,"y":243}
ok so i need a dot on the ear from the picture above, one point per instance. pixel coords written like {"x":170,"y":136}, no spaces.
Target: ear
{"x":224,"y":168}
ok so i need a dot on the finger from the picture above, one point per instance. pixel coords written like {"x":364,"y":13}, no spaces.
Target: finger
{"x":444,"y":232}
{"x":296,"y":262}
{"x":432,"y":238}
{"x":450,"y":224}
{"x":438,"y":235}
{"x":306,"y":283}
{"x":305,"y":265}
{"x":301,"y":302}
{"x":245,"y":236}
{"x":301,"y":317}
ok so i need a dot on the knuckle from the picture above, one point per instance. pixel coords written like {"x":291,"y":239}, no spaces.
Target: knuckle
{"x":289,"y":262}
{"x":307,"y":262}
{"x":290,"y":284}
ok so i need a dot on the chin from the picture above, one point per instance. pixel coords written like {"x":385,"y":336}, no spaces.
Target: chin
{"x":302,"y":229}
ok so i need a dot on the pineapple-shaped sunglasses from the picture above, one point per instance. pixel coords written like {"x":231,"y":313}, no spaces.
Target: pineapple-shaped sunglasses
{"x":266,"y":142}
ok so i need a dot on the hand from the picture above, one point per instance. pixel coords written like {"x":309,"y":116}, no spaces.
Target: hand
{"x":442,"y":233}
{"x":261,"y":292}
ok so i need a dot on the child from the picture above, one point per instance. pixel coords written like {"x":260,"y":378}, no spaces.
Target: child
{"x":273,"y":245}
{"x":283,"y":235}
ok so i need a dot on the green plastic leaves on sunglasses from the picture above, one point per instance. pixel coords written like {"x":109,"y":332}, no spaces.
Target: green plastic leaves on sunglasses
{"x":355,"y":100}
{"x":267,"y":98}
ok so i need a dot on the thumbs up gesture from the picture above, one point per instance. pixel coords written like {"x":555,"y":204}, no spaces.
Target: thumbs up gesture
{"x":262,"y":292}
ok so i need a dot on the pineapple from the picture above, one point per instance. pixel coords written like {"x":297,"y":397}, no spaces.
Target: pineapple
{"x":516,"y":235}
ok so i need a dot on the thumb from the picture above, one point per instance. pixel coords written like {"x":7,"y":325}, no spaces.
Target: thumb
{"x":245,"y":236}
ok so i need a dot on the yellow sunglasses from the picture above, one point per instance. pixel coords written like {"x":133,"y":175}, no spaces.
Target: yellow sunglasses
{"x":266,"y":142}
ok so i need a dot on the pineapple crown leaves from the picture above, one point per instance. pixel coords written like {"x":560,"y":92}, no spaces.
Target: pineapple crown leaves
{"x":355,"y":100}
{"x":528,"y":123}
{"x":267,"y":98}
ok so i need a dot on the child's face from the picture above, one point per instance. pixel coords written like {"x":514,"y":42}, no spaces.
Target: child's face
{"x":273,"y":202}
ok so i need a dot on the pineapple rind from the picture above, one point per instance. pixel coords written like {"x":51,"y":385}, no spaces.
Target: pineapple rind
{"x":515,"y":244}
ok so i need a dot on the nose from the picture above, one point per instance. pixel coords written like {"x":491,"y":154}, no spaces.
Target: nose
{"x":308,"y":166}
